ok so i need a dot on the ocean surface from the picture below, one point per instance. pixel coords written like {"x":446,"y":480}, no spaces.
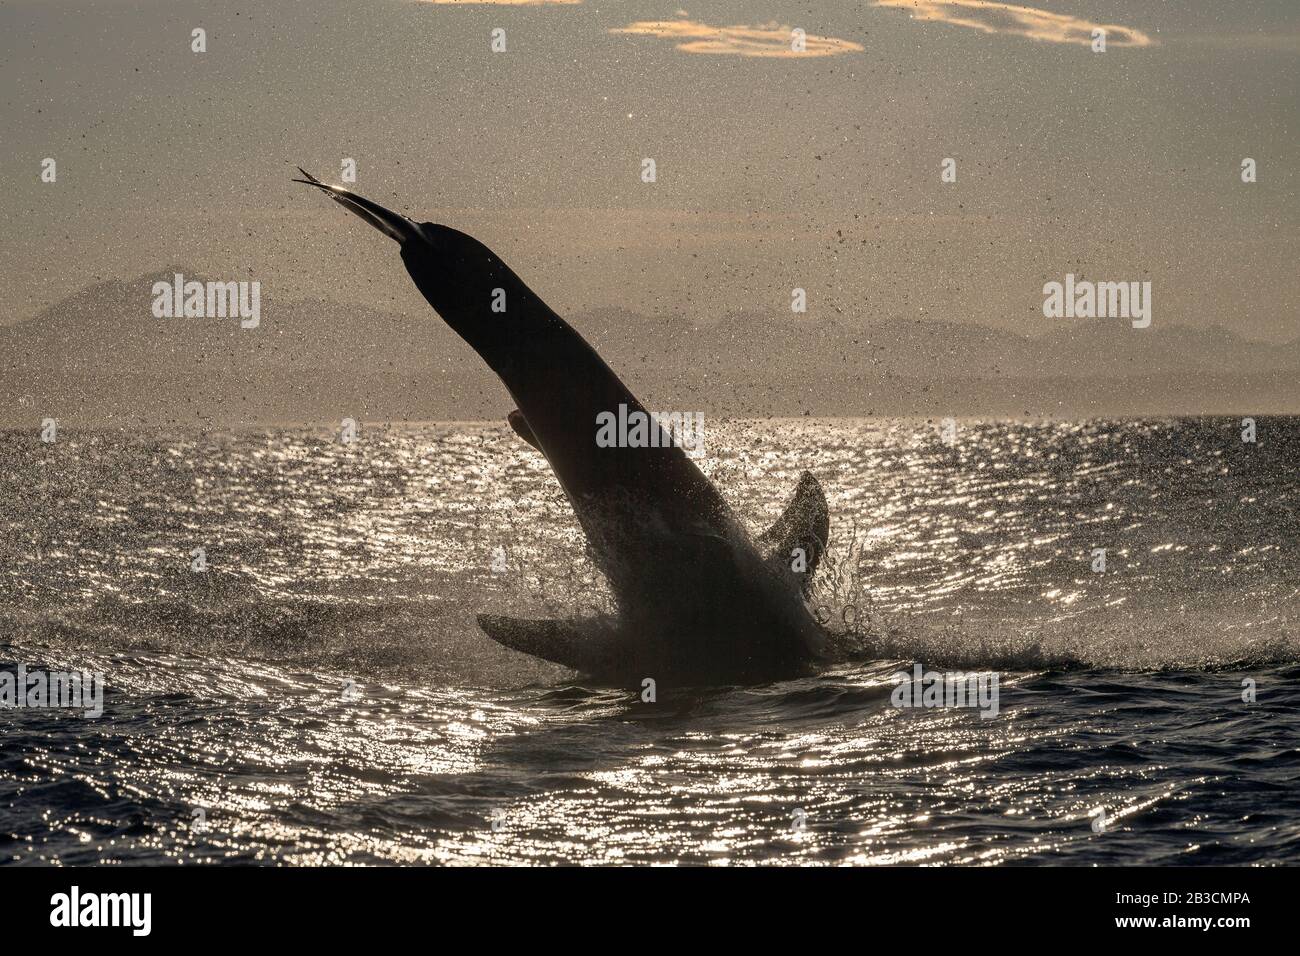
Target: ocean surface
{"x":320,"y":693}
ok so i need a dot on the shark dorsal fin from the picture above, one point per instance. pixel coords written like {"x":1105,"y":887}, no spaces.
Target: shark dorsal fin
{"x":804,"y":525}
{"x":520,"y":425}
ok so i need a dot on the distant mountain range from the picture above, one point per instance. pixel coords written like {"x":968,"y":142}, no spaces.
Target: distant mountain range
{"x":100,"y":357}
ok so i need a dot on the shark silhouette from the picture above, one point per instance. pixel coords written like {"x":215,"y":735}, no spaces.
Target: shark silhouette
{"x":699,"y":601}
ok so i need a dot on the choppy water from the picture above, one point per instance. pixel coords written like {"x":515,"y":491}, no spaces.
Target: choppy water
{"x":321,"y":695}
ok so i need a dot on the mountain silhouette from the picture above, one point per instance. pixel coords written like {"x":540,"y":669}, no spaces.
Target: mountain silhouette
{"x":101,"y":358}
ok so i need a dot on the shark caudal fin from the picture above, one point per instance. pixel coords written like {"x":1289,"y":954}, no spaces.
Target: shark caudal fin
{"x":794,"y":545}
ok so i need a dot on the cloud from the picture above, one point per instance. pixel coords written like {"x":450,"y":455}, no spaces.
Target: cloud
{"x":769,"y":39}
{"x":501,"y":3}
{"x":991,"y":17}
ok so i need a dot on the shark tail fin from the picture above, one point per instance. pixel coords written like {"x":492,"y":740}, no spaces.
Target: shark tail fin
{"x":794,"y":545}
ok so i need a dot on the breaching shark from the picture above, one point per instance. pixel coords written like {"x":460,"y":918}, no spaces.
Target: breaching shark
{"x":699,"y":601}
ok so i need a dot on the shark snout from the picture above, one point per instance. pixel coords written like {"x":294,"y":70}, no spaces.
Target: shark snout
{"x":394,"y":225}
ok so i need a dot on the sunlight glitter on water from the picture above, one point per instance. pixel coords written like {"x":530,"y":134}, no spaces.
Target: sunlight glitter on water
{"x":367,"y":564}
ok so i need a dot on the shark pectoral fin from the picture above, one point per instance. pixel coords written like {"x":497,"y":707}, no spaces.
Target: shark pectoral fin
{"x":560,"y":642}
{"x":796,"y":542}
{"x":520,"y":425}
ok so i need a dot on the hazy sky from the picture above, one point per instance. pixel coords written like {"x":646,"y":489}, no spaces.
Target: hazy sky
{"x":775,"y":170}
